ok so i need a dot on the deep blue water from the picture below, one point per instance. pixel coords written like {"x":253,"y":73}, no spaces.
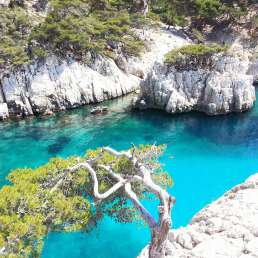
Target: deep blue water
{"x":205,"y":156}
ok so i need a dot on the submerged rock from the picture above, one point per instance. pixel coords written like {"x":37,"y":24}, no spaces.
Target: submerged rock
{"x":99,"y":110}
{"x":226,"y":228}
{"x":221,"y":87}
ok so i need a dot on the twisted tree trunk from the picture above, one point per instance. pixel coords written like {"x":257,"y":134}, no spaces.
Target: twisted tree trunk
{"x":160,"y":233}
{"x":145,"y":7}
{"x":159,"y":229}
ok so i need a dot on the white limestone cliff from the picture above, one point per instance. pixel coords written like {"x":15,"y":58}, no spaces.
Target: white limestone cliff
{"x":54,"y":84}
{"x":4,"y":113}
{"x":227,"y":228}
{"x":4,"y":3}
{"x":225,"y":87}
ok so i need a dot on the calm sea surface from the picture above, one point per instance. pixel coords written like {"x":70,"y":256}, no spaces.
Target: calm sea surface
{"x":205,"y":156}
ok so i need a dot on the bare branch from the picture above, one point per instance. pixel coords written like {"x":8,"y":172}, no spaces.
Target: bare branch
{"x":143,"y":211}
{"x":111,"y":172}
{"x":159,"y":230}
{"x":118,"y":154}
{"x":93,"y":174}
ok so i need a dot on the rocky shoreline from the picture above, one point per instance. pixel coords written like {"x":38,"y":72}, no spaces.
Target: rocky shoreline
{"x":53,"y":84}
{"x":227,"y":228}
{"x":225,"y":85}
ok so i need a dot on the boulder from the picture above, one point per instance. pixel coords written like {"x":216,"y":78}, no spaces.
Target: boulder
{"x":4,"y":113}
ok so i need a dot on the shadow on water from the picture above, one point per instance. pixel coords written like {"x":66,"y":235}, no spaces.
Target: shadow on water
{"x":231,"y":129}
{"x":60,"y":143}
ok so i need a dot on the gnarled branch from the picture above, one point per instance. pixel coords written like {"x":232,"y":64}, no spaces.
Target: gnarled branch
{"x":159,"y":229}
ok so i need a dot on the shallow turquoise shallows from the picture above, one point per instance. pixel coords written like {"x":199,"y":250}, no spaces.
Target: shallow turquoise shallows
{"x":205,"y":156}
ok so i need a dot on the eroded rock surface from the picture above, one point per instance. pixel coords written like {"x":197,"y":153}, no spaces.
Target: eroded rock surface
{"x":224,"y":86}
{"x":4,"y":113}
{"x":55,"y":84}
{"x":4,"y":3}
{"x":227,"y":228}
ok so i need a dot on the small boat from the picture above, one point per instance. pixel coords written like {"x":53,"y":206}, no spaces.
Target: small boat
{"x":99,"y":110}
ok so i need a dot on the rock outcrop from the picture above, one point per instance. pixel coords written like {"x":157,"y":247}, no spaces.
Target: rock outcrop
{"x":54,"y":84}
{"x":253,"y":70}
{"x":4,"y":3}
{"x":227,"y":228}
{"x":4,"y":113}
{"x":225,"y":85}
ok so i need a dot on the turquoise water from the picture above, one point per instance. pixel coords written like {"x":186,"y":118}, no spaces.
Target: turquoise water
{"x":205,"y":156}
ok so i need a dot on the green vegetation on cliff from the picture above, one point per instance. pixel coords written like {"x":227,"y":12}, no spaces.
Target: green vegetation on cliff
{"x":14,"y":28}
{"x":71,"y":28}
{"x":105,"y":27}
{"x":201,"y":12}
{"x":76,"y":27}
{"x":193,"y":52}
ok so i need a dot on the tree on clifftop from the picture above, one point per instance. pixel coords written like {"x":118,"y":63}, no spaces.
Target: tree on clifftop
{"x":201,"y":12}
{"x":58,"y":197}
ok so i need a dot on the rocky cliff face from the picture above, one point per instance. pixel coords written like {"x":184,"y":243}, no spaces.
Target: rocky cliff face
{"x":53,"y":84}
{"x":226,"y":228}
{"x":4,"y":3}
{"x":223,"y":87}
{"x":253,"y":70}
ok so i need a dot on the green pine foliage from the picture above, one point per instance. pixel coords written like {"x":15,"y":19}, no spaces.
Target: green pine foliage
{"x":29,"y":210}
{"x":76,"y":27}
{"x":200,"y":12}
{"x":34,"y":203}
{"x":105,"y":27}
{"x":190,"y":52}
{"x":14,"y":28}
{"x":71,"y":28}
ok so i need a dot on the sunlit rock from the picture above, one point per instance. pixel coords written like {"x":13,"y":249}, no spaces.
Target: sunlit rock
{"x":226,"y":228}
{"x":222,"y":87}
{"x":4,"y":113}
{"x":54,"y":84}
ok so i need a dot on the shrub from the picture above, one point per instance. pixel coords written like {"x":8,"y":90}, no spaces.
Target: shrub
{"x":15,"y":26}
{"x":193,"y":51}
{"x":76,"y":28}
{"x":71,"y":28}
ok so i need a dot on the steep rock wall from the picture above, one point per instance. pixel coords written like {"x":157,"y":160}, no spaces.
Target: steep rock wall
{"x":54,"y":84}
{"x":221,"y":88}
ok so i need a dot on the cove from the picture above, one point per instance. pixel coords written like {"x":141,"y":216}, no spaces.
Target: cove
{"x":205,"y":155}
